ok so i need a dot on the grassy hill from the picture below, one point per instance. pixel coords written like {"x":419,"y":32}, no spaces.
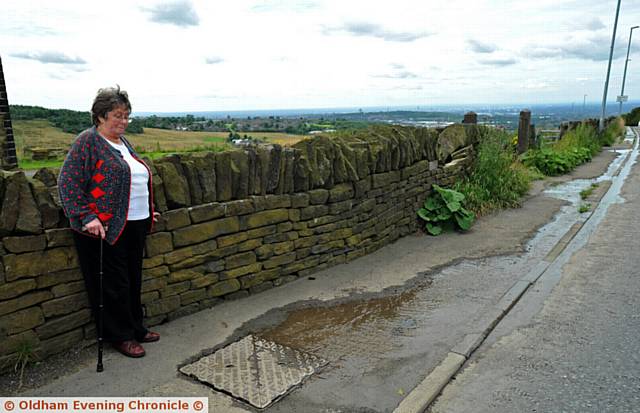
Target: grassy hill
{"x":153,"y":142}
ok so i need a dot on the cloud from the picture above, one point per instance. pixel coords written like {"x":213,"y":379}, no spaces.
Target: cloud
{"x":214,"y":60}
{"x":481,"y":47}
{"x":404,"y":74}
{"x":180,"y":13}
{"x":374,"y":30}
{"x":50,"y":57}
{"x":267,"y":6}
{"x":397,"y":66}
{"x":498,"y":61}
{"x":595,"y":24}
{"x":594,"y":47}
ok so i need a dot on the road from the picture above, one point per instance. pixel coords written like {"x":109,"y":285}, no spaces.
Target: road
{"x":571,"y":343}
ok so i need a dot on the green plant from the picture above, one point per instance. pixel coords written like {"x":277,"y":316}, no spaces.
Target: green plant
{"x":584,"y":194}
{"x":26,"y":355}
{"x":443,"y":210}
{"x":497,"y":179}
{"x":584,"y":208}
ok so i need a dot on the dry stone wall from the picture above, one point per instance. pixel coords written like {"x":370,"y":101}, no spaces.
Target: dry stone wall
{"x":233,"y":224}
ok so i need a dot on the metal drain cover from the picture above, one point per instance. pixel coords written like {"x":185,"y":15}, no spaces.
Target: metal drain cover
{"x":254,"y":370}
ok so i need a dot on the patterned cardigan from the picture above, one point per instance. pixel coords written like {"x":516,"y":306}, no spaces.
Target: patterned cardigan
{"x":95,"y":182}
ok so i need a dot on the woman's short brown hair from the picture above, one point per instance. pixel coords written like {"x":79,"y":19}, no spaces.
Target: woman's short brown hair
{"x":106,"y":100}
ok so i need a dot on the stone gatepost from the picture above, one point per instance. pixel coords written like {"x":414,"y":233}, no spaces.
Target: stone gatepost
{"x":533,"y":138}
{"x":8,"y":160}
{"x":470,"y":118}
{"x":523,"y":131}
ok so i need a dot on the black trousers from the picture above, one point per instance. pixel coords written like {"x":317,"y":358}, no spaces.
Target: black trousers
{"x":122,"y":280}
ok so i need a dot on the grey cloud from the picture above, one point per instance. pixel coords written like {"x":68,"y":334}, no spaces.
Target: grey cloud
{"x":50,"y":57}
{"x":375,"y":30}
{"x":214,"y":60}
{"x":481,"y":47}
{"x":595,"y":24}
{"x":180,"y":13}
{"x":498,"y":61}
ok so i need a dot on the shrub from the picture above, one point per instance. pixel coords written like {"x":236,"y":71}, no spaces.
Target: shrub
{"x":497,"y":179}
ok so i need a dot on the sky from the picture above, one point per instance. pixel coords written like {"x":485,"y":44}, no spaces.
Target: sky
{"x":204,"y":55}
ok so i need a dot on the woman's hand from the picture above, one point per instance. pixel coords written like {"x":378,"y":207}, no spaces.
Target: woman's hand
{"x":95,"y":228}
{"x":156,"y":216}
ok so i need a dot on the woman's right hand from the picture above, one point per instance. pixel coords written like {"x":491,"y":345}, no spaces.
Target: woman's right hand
{"x":95,"y":228}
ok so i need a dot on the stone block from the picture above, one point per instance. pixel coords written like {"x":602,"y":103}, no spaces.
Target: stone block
{"x":204,"y":280}
{"x":261,"y":232}
{"x":158,"y":243}
{"x":204,"y":231}
{"x":239,"y":207}
{"x":60,"y":343}
{"x":223,"y":288}
{"x":279,"y":260}
{"x":175,"y":288}
{"x":318,"y":196}
{"x":206,"y":212}
{"x":59,"y":237}
{"x":149,"y":297}
{"x":65,"y":305}
{"x":152,"y":262}
{"x":341,"y":192}
{"x":154,"y":284}
{"x":267,"y":285}
{"x":385,"y":179}
{"x":299,"y":200}
{"x":163,"y":306}
{"x":155,"y":272}
{"x":313,"y":211}
{"x":21,"y":320}
{"x":31,"y":264}
{"x":340,"y":207}
{"x":73,"y":287}
{"x":183,"y":275}
{"x":214,"y":266}
{"x":280,"y":248}
{"x":294,"y":215}
{"x":16,"y":288}
{"x":193,"y":296}
{"x":249,"y":245}
{"x":27,"y":243}
{"x":264,"y":252}
{"x":60,"y":325}
{"x":237,"y":295}
{"x":227,"y":240}
{"x":240,"y":260}
{"x":24,"y":301}
{"x":54,"y":278}
{"x":176,"y":187}
{"x":265,"y":218}
{"x":177,"y":218}
{"x":239,"y":271}
{"x":14,"y":342}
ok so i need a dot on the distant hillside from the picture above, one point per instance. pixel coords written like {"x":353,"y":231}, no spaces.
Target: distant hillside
{"x":70,"y":121}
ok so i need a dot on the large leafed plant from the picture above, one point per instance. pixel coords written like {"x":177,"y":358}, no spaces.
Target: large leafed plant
{"x":443,"y":210}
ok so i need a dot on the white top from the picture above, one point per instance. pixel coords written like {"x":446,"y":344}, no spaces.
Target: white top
{"x":139,"y":195}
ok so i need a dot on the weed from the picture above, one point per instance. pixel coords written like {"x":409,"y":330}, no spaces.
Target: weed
{"x":584,"y":208}
{"x":497,"y":179}
{"x":584,"y":194}
{"x":26,"y":355}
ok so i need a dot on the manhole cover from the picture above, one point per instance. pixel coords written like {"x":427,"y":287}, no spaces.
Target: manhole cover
{"x":254,"y":370}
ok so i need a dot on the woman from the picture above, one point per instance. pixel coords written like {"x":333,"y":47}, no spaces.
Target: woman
{"x":105,"y":191}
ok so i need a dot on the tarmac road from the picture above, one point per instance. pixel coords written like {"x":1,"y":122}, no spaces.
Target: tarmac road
{"x":578,"y":350}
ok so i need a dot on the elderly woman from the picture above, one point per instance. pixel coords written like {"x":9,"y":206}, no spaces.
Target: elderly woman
{"x":105,"y":190}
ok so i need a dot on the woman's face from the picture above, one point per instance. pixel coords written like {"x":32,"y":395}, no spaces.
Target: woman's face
{"x":116,"y":122}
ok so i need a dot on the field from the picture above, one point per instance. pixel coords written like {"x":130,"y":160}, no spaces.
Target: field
{"x":153,"y":142}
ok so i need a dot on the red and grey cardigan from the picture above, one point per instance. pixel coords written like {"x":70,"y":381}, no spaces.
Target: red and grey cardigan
{"x":95,"y":182}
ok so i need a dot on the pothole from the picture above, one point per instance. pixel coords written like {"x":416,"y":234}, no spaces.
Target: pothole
{"x":254,"y":370}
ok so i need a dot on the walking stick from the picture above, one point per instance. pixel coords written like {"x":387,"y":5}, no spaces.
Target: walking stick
{"x":100,"y":367}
